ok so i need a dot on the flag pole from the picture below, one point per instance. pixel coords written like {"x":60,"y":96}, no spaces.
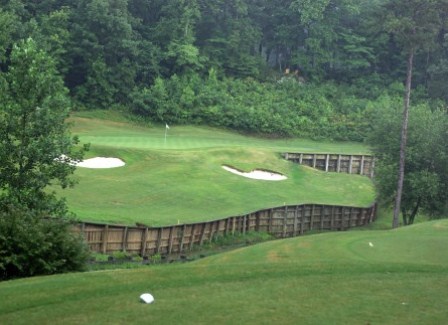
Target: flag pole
{"x":166,"y":131}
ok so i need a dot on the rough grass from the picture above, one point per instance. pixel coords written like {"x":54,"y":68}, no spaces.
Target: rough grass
{"x":332,"y":278}
{"x":184,"y":181}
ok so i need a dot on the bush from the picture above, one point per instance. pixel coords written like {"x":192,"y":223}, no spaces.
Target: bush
{"x":31,"y":245}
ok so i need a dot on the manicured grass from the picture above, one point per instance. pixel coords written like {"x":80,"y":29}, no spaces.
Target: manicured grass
{"x":185,"y":182}
{"x":113,"y":130}
{"x":332,"y":278}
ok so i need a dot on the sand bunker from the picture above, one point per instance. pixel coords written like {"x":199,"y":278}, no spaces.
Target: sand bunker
{"x":101,"y":162}
{"x":257,"y":174}
{"x":97,"y":162}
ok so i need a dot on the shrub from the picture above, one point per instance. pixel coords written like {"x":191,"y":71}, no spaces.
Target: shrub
{"x":31,"y":245}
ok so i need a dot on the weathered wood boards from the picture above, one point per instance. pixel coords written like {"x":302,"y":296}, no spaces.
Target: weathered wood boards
{"x":350,"y":164}
{"x":281,"y":222}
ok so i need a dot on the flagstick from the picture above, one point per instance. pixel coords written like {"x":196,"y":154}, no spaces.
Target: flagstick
{"x":166,"y":131}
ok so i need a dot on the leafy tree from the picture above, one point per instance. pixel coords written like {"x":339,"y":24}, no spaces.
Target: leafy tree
{"x":425,"y":186}
{"x":33,"y":141}
{"x":414,"y":24}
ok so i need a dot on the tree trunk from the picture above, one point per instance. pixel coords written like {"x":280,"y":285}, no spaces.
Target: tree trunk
{"x":404,"y":135}
{"x":414,"y":212}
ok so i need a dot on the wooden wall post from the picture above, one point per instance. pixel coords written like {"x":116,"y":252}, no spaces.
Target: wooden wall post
{"x":144,"y":239}
{"x":350,"y":164}
{"x":361,"y":172}
{"x":372,"y":166}
{"x":301,"y":158}
{"x":314,"y":160}
{"x":201,"y":241}
{"x":327,"y":161}
{"x":271,"y":217}
{"x":192,"y":236}
{"x":182,"y":239}
{"x":322,"y":215}
{"x":285,"y":221}
{"x":312,"y":217}
{"x":124,"y":239}
{"x":296,"y":220}
{"x":244,"y":224}
{"x":170,"y":240}
{"x":159,"y":239}
{"x":105,"y":238}
{"x":338,"y":165}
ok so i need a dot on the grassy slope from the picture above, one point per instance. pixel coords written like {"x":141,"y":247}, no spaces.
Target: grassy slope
{"x":183,"y":181}
{"x":333,"y":278}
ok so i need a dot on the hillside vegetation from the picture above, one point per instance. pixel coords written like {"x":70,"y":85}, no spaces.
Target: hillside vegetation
{"x":357,"y":277}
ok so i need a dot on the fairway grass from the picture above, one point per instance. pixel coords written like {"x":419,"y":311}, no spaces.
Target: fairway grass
{"x":332,"y":278}
{"x":183,"y":181}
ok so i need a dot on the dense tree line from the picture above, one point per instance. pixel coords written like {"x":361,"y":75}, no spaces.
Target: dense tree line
{"x":107,"y":50}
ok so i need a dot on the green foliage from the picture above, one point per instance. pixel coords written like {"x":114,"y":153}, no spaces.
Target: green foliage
{"x":33,"y":134}
{"x":33,"y":245}
{"x":33,"y":140}
{"x":426,"y":182}
{"x":283,"y":108}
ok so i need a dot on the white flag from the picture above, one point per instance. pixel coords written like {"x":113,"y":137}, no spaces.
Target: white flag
{"x":167,"y":126}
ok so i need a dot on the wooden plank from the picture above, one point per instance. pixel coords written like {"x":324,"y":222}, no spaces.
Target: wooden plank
{"x":124,"y":241}
{"x":192,"y":236}
{"x":302,"y":219}
{"x":285,"y":221}
{"x":227,"y":226}
{"x":212,"y":232}
{"x":105,"y":238}
{"x":338,"y":165}
{"x":301,"y":158}
{"x":350,"y":164}
{"x":314,"y":160}
{"x":312,"y":217}
{"x":182,"y":239}
{"x":257,"y":221}
{"x":350,"y":214}
{"x":170,"y":240}
{"x":83,"y":230}
{"x":159,"y":239}
{"x":322,"y":217}
{"x":332,"y":217}
{"x":327,"y":161}
{"x":342,"y":217}
{"x":271,"y":217}
{"x":143,"y":241}
{"x":233,"y":225}
{"x":296,"y":216}
{"x":244,"y":224}
{"x":361,"y":172}
{"x":201,"y":241}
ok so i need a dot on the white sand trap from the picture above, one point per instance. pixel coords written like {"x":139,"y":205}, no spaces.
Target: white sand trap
{"x":101,"y":162}
{"x":257,"y":174}
{"x":97,"y":162}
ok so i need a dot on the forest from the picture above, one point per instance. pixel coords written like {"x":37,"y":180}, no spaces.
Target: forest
{"x":281,"y":68}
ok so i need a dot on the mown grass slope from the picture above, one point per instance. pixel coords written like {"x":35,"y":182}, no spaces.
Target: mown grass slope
{"x":183,"y":180}
{"x":332,"y":278}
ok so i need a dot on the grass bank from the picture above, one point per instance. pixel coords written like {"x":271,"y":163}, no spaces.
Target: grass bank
{"x":183,"y":181}
{"x":357,"y":277}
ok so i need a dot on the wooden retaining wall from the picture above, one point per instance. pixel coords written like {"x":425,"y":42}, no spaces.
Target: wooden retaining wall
{"x":282,"y":222}
{"x":351,"y":164}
